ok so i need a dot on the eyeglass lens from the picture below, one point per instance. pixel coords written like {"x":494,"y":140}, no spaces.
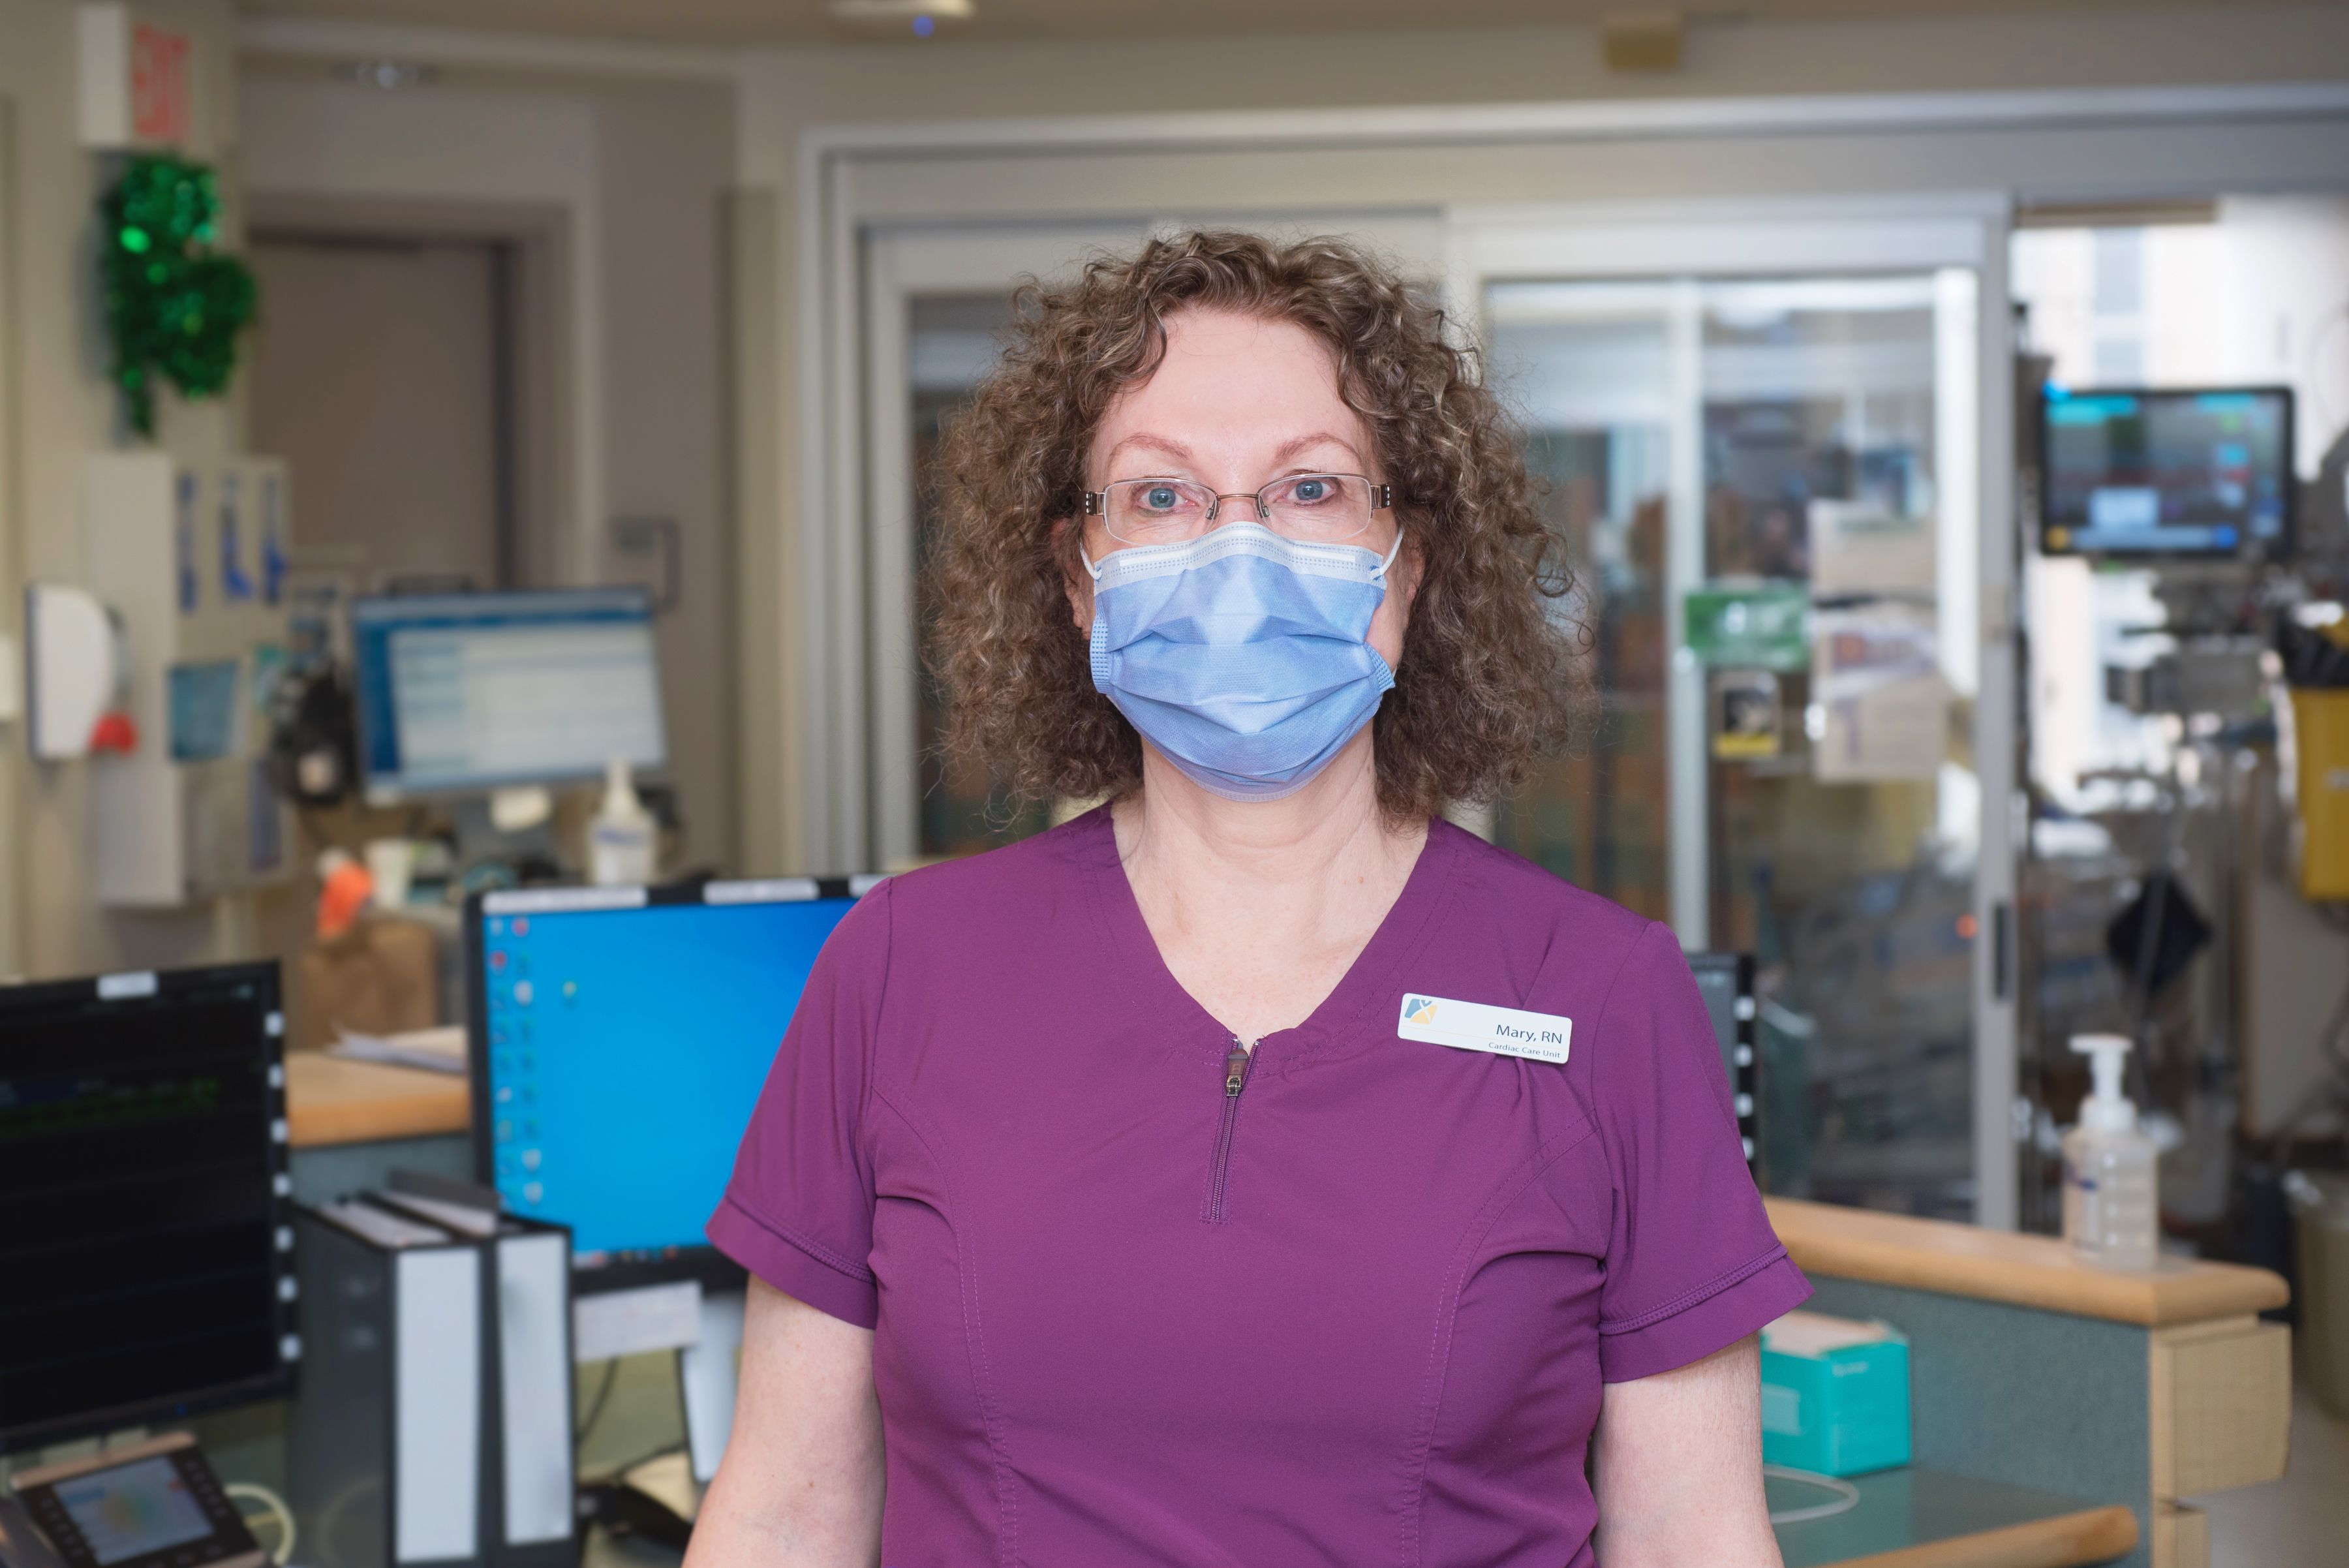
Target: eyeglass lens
{"x":1316,"y":507}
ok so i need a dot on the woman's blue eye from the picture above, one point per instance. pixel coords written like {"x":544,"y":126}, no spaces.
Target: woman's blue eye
{"x":1160,"y":498}
{"x":1312,"y":489}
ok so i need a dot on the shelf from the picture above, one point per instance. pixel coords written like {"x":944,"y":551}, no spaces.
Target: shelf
{"x":2021,"y":1271}
{"x":1915,"y":1518}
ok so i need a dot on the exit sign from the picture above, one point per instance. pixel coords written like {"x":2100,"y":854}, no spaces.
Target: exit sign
{"x":139,"y":82}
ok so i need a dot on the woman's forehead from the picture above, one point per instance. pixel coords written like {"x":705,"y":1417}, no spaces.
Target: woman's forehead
{"x":1230,"y":383}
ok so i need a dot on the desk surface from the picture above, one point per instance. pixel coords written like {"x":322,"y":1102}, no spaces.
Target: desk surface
{"x":2022,"y":1271}
{"x":329,"y":1100}
{"x":1914,"y":1518}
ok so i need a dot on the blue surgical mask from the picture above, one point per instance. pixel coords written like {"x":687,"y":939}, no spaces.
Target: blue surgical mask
{"x":1241,"y":655}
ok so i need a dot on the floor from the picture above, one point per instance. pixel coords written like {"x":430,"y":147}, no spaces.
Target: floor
{"x":2302,"y":1519}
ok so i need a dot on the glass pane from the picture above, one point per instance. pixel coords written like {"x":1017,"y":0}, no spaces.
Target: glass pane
{"x":1586,"y":366}
{"x":1841,"y":823}
{"x":951,"y":344}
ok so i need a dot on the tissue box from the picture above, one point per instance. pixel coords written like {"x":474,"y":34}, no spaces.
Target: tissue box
{"x":1835,"y":1394}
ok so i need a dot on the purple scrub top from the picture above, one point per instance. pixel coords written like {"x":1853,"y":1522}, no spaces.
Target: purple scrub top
{"x":1358,"y":1313}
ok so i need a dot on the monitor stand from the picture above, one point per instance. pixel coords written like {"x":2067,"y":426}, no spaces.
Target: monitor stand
{"x":707,"y":1372}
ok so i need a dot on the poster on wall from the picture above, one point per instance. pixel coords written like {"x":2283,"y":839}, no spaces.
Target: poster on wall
{"x":1883,"y":705}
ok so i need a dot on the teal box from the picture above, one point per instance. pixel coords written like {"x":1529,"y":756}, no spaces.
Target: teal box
{"x":1835,"y":1394}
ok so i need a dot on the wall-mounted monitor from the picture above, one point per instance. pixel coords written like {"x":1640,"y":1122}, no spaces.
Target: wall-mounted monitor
{"x":465,"y":693}
{"x":2167,"y":473}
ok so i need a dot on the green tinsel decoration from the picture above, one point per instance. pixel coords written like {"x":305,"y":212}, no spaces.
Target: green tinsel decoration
{"x":176,"y":307}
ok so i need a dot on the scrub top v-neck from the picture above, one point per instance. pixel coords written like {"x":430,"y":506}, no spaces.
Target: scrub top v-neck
{"x":1352,"y":1300}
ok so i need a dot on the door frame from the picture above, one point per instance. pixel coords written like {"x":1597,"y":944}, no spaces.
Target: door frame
{"x":545,"y":540}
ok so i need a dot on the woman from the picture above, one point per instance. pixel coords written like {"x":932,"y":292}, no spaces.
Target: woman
{"x":1257,"y":1169}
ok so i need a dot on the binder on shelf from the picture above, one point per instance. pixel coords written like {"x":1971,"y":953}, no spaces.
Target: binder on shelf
{"x":530,"y":1515}
{"x":438,"y":1428}
{"x":385,"y":1456}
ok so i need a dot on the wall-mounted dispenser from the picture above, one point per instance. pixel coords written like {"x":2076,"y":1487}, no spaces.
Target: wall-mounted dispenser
{"x":76,"y":675}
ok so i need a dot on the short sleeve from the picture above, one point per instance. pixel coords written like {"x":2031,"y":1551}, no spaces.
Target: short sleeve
{"x":1693,"y":1264}
{"x":798,"y":1212}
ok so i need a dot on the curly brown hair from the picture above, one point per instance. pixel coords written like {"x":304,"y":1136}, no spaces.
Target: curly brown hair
{"x":1491,"y":673}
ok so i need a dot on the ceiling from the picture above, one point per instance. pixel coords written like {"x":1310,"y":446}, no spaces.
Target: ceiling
{"x":737,"y":22}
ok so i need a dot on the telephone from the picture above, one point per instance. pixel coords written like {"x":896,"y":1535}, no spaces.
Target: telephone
{"x":155,"y":1504}
{"x":21,"y":1545}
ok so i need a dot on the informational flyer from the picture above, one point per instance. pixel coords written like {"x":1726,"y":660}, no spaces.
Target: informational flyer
{"x":1877,"y":677}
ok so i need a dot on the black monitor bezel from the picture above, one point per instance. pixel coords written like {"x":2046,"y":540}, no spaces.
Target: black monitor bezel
{"x":2248,"y":548}
{"x":1746,"y":1077}
{"x":703,"y":1264}
{"x":389,"y":793}
{"x":282,"y":1381}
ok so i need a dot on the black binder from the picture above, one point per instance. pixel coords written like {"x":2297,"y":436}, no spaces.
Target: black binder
{"x":438,"y":1427}
{"x":385,"y":1458}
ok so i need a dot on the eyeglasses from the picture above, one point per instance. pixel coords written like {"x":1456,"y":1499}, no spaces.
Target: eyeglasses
{"x":1314,"y":508}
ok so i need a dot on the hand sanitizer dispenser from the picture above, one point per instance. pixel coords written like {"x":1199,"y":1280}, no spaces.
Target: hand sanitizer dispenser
{"x":2109,"y":1200}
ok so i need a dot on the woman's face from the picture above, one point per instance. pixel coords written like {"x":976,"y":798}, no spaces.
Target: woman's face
{"x":1237,"y":402}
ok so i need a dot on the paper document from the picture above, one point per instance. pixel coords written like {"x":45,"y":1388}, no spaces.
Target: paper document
{"x":433,"y":1050}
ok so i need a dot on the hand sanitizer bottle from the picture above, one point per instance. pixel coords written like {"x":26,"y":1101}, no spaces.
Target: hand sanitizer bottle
{"x":620,"y":840}
{"x":2109,"y":1200}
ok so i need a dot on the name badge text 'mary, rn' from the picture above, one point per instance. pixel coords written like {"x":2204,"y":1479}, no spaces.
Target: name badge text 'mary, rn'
{"x":1473,"y":1026}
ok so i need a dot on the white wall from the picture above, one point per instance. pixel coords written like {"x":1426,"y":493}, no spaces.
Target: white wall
{"x":55,"y":405}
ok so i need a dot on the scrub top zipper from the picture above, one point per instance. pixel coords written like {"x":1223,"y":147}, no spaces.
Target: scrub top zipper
{"x":1236,"y":1077}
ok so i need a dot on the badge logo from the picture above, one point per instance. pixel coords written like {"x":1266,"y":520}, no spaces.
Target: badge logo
{"x":1419,"y":1009}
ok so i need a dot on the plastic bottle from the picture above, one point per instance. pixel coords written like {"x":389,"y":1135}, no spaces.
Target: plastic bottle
{"x":621,"y":841}
{"x":2110,"y":1197}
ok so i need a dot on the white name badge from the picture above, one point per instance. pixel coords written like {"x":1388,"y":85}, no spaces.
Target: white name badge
{"x":1473,"y":1026}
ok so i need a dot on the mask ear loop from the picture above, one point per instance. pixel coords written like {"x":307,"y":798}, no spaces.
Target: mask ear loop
{"x":1380,"y":576}
{"x":1088,"y":560}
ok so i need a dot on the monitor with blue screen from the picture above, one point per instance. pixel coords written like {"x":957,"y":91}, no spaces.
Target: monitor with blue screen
{"x":621,"y":1036}
{"x":2167,"y":473}
{"x":466,"y":692}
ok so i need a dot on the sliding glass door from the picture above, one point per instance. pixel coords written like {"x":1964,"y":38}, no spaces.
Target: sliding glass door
{"x":1768,"y":487}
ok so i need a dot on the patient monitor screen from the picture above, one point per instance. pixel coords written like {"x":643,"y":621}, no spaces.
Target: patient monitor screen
{"x":625,"y":1049}
{"x":475,"y":692}
{"x":2167,"y":473}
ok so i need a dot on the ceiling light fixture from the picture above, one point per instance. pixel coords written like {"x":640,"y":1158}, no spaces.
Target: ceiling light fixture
{"x":391,"y":75}
{"x":899,"y":12}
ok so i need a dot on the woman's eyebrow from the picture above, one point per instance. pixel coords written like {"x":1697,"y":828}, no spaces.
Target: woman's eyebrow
{"x":1290,"y":448}
{"x":1157,"y":443}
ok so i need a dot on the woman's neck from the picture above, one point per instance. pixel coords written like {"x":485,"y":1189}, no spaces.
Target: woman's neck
{"x":1260,"y":908}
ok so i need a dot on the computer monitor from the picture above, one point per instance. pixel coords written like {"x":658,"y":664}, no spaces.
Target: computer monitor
{"x":1725,"y":981}
{"x":146,"y":1269}
{"x":621,"y":1036}
{"x":2167,"y":473}
{"x":464,"y":692}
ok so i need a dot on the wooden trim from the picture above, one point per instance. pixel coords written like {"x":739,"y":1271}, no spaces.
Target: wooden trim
{"x":2092,"y":1535}
{"x":331,"y":1101}
{"x":2220,"y":1407}
{"x":2181,"y":1536}
{"x":2022,"y":1271}
{"x":65,"y":1469}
